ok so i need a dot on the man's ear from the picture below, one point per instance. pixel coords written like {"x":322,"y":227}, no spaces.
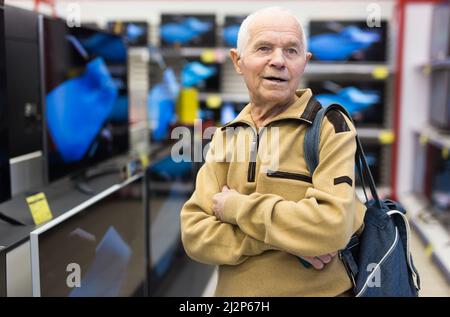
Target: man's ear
{"x":236,"y":60}
{"x":308,"y":56}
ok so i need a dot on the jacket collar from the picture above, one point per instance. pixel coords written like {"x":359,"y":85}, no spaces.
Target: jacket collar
{"x":303,"y":109}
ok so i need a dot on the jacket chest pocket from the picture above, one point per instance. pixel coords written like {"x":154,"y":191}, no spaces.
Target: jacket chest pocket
{"x":287,"y":184}
{"x":290,"y":175}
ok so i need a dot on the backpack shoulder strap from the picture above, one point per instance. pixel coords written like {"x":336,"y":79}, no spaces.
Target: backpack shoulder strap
{"x":311,"y":148}
{"x":312,"y":136}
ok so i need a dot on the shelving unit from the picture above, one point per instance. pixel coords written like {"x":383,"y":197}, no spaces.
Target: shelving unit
{"x":423,"y":148}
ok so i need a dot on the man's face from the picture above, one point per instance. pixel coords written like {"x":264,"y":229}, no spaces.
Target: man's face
{"x":273,"y":60}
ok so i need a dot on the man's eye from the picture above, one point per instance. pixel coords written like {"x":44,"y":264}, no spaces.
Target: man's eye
{"x":263,"y":48}
{"x":292,"y":51}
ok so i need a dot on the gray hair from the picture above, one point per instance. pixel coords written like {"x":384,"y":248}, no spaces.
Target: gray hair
{"x":244,"y":34}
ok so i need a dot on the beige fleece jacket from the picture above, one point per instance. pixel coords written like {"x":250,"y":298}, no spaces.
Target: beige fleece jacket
{"x":281,"y":212}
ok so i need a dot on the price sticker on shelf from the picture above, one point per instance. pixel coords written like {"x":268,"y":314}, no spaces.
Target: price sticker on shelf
{"x":386,"y":137}
{"x":429,"y":250}
{"x":445,"y":153}
{"x":40,"y":211}
{"x":213,"y":101}
{"x":208,"y":56}
{"x":427,"y":69}
{"x":423,"y":139}
{"x":380,"y":72}
{"x":144,"y":160}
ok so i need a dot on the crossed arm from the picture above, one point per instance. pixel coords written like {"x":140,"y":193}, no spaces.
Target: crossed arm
{"x":222,"y":226}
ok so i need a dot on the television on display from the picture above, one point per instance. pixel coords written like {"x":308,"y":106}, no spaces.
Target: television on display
{"x":5,"y":181}
{"x":204,"y":76}
{"x":134,"y":32}
{"x":344,"y":41}
{"x":231,"y":29}
{"x":169,"y":186}
{"x":99,"y":248}
{"x":23,"y":80}
{"x":364,"y":100}
{"x":373,"y":153}
{"x":437,"y":182}
{"x":188,"y":30}
{"x":86,"y":101}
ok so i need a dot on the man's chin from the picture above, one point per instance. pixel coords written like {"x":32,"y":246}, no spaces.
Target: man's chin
{"x":276,"y":96}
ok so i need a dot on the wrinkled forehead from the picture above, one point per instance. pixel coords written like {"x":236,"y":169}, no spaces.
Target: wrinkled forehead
{"x":279,"y":27}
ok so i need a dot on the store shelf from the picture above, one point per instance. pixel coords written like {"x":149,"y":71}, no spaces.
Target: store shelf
{"x":378,"y":71}
{"x":192,"y":51}
{"x":430,"y":230}
{"x":239,"y":98}
{"x":437,"y":65}
{"x":385,"y":136}
{"x":434,"y":136}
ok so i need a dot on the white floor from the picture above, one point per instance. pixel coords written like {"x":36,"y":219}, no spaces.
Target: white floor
{"x":433,"y":281}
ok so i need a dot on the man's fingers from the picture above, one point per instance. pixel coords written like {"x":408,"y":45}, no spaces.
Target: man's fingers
{"x":333,"y":254}
{"x":225,"y":188}
{"x":314,"y":261}
{"x":325,"y":258}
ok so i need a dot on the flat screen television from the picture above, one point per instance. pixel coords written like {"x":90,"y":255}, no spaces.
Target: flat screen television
{"x":23,"y":80}
{"x":135,"y":33}
{"x":86,"y":101}
{"x":347,"y":41}
{"x":5,"y":181}
{"x":230,"y":29}
{"x":187,"y":30}
{"x":437,"y":183}
{"x":97,"y":249}
{"x":170,"y":185}
{"x":373,"y":153}
{"x":365,"y":100}
{"x":204,"y":76}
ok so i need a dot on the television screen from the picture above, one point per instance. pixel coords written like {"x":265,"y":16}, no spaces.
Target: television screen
{"x":437,"y":183}
{"x":204,"y":76}
{"x":5,"y":182}
{"x":231,"y":29}
{"x":134,"y":32}
{"x":85,"y":96}
{"x":363,"y":99}
{"x":23,"y":81}
{"x":188,"y":30}
{"x":341,"y":41}
{"x":96,"y":249}
{"x":170,"y":184}
{"x":373,"y":154}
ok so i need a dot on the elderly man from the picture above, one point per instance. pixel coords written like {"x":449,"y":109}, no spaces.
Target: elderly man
{"x":254,"y":222}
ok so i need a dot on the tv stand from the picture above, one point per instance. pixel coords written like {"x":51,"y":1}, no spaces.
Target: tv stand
{"x":82,"y":180}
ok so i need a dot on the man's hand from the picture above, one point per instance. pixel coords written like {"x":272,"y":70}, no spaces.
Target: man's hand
{"x":219,"y":201}
{"x":319,"y":262}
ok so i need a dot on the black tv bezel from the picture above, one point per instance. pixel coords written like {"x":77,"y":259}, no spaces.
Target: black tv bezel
{"x":5,"y":181}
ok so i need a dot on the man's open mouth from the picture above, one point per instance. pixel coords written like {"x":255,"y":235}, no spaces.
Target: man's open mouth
{"x":275,"y":79}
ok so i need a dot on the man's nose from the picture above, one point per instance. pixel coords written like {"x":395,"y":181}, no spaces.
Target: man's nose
{"x":277,"y":59}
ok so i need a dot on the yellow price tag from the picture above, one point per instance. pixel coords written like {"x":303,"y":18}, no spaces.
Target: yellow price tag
{"x":213,"y":101}
{"x":445,"y":153}
{"x":429,"y":250}
{"x":208,"y":56}
{"x":386,"y":137}
{"x":423,"y":139}
{"x":380,"y":72}
{"x":40,"y":211}
{"x":427,"y":69}
{"x":144,"y":160}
